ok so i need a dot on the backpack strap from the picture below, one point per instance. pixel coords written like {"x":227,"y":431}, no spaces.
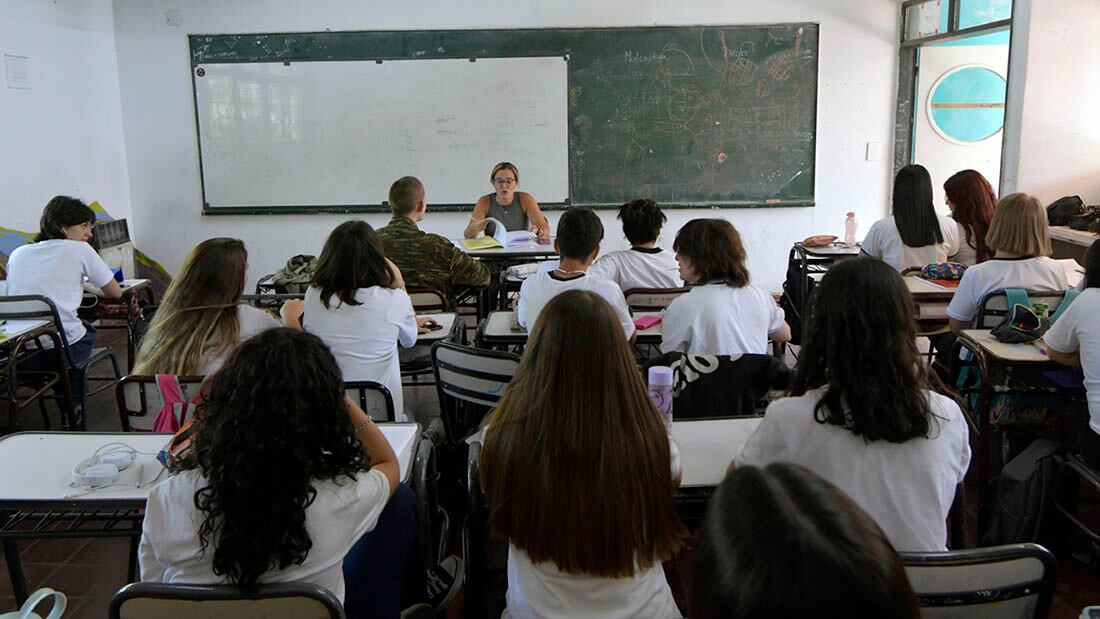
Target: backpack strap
{"x":1067,"y":298}
{"x":1016,"y":296}
{"x":170,"y":389}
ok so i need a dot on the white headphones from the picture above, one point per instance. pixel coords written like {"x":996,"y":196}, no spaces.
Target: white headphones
{"x":102,"y":469}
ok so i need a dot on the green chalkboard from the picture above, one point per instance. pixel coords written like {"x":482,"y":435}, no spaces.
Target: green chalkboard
{"x":689,"y":115}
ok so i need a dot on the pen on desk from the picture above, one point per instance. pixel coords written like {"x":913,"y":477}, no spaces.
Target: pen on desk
{"x":141,"y":473}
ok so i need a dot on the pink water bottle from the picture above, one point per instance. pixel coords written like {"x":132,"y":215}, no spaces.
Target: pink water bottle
{"x":850,"y":230}
{"x":660,"y":392}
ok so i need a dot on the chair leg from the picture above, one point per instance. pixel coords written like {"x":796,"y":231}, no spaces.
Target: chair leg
{"x":45,"y":413}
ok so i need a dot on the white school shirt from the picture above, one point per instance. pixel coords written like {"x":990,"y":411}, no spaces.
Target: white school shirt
{"x":906,"y":488}
{"x":542,"y":591}
{"x":639,"y":267}
{"x":967,"y":253}
{"x":253,"y":321}
{"x":715,"y":319}
{"x":1079,"y":330}
{"x":56,"y":270}
{"x":364,"y":337}
{"x":884,"y":241}
{"x":339,"y":515}
{"x":1041,"y":274}
{"x":538,"y":289}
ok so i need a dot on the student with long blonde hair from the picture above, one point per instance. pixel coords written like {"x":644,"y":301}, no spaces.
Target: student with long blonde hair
{"x":201,"y":319}
{"x":1020,"y":237}
{"x":579,"y":472}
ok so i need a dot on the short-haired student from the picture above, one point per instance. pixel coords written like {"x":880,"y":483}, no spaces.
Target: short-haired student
{"x":644,"y":265}
{"x":723,"y":314}
{"x":779,"y":541}
{"x":578,"y":242}
{"x":914,"y":235}
{"x":517,"y":210}
{"x":201,"y":319}
{"x":1020,"y":237}
{"x":863,"y":413}
{"x":56,"y":266}
{"x":425,"y":259}
{"x":579,"y":472}
{"x":1075,"y":340}
{"x":358,"y":306}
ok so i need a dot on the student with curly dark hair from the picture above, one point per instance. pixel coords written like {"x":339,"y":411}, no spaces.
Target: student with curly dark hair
{"x":289,"y":474}
{"x":863,"y":413}
{"x":644,"y":265}
{"x":781,"y":542}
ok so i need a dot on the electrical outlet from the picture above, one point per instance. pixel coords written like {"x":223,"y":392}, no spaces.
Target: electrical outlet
{"x":173,"y":18}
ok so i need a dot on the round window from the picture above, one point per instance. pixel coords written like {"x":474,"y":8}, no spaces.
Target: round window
{"x":967,"y":104}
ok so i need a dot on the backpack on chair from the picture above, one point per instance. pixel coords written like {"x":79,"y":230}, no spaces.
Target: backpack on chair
{"x":178,"y":417}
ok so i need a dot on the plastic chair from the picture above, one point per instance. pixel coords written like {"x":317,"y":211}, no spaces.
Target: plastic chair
{"x":373,"y":397}
{"x":470,"y":381}
{"x":147,"y":600}
{"x":139,"y":399}
{"x":1003,"y":582}
{"x":651,"y":299}
{"x":427,"y":300}
{"x":38,"y":307}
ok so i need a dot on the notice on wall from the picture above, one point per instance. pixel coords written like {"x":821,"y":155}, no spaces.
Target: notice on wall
{"x":17,"y":72}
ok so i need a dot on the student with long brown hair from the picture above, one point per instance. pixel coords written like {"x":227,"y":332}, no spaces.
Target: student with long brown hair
{"x":578,"y":473}
{"x":971,"y":199}
{"x":724,"y":314}
{"x":201,"y":319}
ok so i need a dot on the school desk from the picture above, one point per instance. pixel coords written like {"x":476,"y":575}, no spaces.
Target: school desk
{"x":501,"y":330}
{"x":707,"y":446}
{"x":987,"y":355}
{"x":930,"y":298}
{"x":812,"y":262}
{"x":1070,"y":243}
{"x":14,"y":337}
{"x":447,"y":321}
{"x":39,"y":503}
{"x":533,"y":250}
{"x":122,"y":313}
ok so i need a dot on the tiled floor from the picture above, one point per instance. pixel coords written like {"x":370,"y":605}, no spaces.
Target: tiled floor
{"x":90,"y":571}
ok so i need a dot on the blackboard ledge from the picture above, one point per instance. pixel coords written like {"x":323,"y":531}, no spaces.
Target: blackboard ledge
{"x":218,"y":211}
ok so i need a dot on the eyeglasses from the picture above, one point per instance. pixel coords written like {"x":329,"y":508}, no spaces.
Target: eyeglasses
{"x":504,"y":181}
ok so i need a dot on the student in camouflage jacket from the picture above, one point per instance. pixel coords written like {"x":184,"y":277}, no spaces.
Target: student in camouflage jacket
{"x":426,"y":259}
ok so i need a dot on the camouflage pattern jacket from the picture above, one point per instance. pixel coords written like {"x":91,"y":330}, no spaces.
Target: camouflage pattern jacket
{"x":429,"y":259}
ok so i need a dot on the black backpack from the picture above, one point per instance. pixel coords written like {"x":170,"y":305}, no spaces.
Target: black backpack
{"x":1025,"y":492}
{"x":792,"y":302}
{"x":1064,"y":209}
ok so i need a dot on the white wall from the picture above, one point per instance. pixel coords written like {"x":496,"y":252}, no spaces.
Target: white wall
{"x":64,"y":134}
{"x":857,"y":88}
{"x":1055,"y":87}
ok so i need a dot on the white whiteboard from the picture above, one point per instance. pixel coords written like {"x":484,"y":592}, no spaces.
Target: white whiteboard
{"x":339,"y":133}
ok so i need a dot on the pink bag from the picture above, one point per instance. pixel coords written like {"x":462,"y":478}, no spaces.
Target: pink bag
{"x":176,"y":410}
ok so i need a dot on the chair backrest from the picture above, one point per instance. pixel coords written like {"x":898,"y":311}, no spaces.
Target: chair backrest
{"x":373,"y":397}
{"x":1004,"y":582}
{"x":425,"y":485}
{"x":426,"y":300}
{"x":995,"y":305}
{"x":34,"y":307}
{"x":139,"y":399}
{"x":147,"y":600}
{"x":475,"y":536}
{"x":651,"y":299}
{"x":469,"y":381}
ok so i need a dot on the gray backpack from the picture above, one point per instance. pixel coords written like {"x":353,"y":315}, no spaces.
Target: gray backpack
{"x":1025,"y":493}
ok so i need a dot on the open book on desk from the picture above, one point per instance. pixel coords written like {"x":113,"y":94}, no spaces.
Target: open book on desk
{"x":501,"y":237}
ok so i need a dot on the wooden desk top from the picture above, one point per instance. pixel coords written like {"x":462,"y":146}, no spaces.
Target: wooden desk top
{"x":1032,"y":352}
{"x":1069,"y":235}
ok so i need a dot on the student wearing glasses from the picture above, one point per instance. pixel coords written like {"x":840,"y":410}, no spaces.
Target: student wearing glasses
{"x":517,"y":210}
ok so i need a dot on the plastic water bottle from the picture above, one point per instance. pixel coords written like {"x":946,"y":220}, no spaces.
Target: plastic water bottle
{"x":660,"y":392}
{"x":850,"y":230}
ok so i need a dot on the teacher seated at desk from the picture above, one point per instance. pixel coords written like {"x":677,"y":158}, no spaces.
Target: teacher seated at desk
{"x":517,"y":210}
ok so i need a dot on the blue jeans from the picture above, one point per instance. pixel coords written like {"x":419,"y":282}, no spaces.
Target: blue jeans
{"x":384,"y":571}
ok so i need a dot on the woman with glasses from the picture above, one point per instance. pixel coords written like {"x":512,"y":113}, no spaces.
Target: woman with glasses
{"x":517,"y":210}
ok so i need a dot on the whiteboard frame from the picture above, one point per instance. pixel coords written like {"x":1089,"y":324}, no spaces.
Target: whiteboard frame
{"x":345,"y":209}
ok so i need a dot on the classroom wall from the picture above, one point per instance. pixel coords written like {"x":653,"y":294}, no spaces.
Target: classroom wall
{"x":64,"y":133}
{"x":1055,"y":82}
{"x":858,"y":66}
